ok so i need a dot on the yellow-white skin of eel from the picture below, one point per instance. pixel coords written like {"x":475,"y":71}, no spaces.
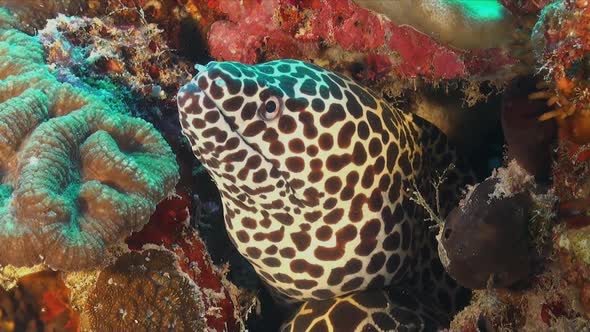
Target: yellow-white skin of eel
{"x":316,"y":175}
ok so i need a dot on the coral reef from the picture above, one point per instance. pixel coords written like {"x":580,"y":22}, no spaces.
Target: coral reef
{"x":126,"y":54}
{"x":183,"y":24}
{"x":84,"y":176}
{"x":167,"y":257}
{"x":146,"y":292}
{"x":561,"y":44}
{"x":77,"y":175}
{"x":32,"y":14}
{"x":169,"y":226}
{"x":39,"y":302}
{"x":335,"y":32}
{"x":133,"y":55}
{"x":555,"y":297}
{"x":551,"y":303}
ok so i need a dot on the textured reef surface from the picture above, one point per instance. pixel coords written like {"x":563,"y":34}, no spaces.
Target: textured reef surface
{"x":294,"y":165}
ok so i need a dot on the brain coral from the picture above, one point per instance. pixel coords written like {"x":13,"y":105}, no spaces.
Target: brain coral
{"x":75,"y":175}
{"x":146,"y":292}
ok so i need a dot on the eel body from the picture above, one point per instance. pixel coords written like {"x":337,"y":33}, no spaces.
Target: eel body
{"x":316,"y":175}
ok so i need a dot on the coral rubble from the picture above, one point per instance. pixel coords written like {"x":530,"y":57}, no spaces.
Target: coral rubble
{"x":78,"y":176}
{"x":555,"y":295}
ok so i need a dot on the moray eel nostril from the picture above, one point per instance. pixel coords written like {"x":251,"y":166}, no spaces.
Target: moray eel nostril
{"x":313,"y":164}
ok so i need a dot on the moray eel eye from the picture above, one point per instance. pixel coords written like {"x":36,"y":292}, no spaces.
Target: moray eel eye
{"x":270,"y":109}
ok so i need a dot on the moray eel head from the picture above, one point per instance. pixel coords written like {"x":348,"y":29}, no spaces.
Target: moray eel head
{"x":267,"y":125}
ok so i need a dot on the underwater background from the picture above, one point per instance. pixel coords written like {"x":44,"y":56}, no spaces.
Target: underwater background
{"x":294,"y":165}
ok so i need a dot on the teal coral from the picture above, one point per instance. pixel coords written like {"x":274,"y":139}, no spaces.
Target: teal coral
{"x":76,"y":176}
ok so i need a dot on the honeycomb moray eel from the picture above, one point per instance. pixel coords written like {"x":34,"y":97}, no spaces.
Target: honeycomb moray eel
{"x":313,"y":172}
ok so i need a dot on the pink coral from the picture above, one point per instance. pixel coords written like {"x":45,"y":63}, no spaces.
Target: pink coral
{"x":268,"y":30}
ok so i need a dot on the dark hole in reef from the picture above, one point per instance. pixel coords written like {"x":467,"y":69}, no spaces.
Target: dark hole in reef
{"x":448,"y":233}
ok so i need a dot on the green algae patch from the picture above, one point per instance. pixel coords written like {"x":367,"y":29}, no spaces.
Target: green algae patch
{"x":577,"y":242}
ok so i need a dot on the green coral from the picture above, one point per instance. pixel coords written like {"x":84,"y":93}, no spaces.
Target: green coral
{"x":76,"y":175}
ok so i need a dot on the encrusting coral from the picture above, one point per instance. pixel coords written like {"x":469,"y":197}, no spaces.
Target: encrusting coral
{"x":146,"y":291}
{"x":339,"y":32}
{"x":169,"y":227}
{"x":77,"y":175}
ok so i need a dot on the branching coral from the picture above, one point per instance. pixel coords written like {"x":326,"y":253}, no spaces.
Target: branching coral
{"x":76,"y":175}
{"x":146,"y":292}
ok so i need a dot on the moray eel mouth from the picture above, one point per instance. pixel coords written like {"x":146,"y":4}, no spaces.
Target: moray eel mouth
{"x":223,"y":139}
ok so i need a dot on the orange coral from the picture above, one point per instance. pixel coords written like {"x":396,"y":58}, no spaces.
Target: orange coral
{"x":40,"y":301}
{"x":146,"y":292}
{"x":562,"y":44}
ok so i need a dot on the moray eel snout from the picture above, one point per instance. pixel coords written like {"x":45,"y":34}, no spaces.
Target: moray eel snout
{"x":258,"y":120}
